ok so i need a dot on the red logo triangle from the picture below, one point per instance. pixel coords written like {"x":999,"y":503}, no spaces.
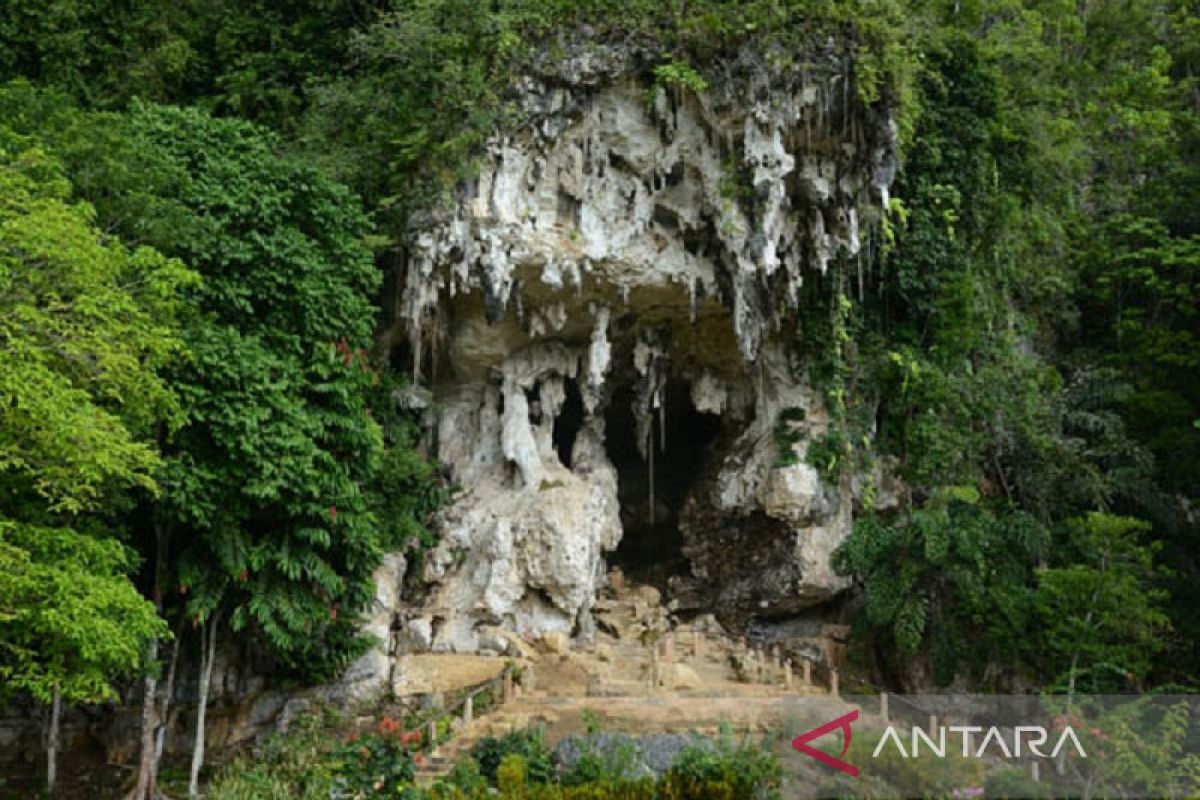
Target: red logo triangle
{"x":801,"y":743}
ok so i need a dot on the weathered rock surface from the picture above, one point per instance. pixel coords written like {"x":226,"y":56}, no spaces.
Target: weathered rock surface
{"x":637,"y":250}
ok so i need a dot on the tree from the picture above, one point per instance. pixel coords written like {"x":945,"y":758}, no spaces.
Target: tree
{"x":274,"y":477}
{"x":71,"y":622}
{"x":84,"y":325}
{"x":1099,"y":612}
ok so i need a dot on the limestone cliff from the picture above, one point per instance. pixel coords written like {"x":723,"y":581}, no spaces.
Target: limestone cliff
{"x":605,"y":317}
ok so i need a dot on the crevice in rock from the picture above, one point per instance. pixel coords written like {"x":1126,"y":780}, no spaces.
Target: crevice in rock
{"x":568,"y":422}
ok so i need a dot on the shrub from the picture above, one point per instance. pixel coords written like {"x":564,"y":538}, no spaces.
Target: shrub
{"x":377,"y":764}
{"x":295,"y":766}
{"x":510,"y":775}
{"x":529,"y":744}
{"x":740,"y":772}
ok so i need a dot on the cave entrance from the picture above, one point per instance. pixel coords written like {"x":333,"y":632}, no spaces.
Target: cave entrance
{"x":568,"y":422}
{"x":651,"y":548}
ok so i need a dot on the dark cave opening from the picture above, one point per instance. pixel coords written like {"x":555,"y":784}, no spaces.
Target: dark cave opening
{"x":568,"y":422}
{"x":651,"y":548}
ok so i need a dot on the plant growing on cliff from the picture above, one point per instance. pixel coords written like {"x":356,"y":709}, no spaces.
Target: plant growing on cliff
{"x":951,"y":576}
{"x":679,"y":74}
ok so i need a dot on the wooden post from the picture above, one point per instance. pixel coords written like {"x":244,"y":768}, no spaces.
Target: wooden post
{"x":508,"y":685}
{"x":669,"y":647}
{"x":933,"y":726}
{"x":883,"y":707}
{"x":1033,"y":772}
{"x":787,"y":674}
{"x":807,"y":672}
{"x":468,"y":710}
{"x":833,"y":682}
{"x":432,"y":728}
{"x":697,"y":641}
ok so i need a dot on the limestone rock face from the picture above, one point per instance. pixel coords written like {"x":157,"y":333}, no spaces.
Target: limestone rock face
{"x":370,"y":676}
{"x":606,"y":317}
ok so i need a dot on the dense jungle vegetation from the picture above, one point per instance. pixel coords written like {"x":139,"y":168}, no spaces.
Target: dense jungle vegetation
{"x":199,"y":200}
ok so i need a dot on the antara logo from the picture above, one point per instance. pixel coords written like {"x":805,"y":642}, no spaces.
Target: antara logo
{"x":842,"y":723}
{"x":1033,"y":737}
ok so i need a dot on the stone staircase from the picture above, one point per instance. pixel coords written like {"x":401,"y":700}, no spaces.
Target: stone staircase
{"x":639,"y":675}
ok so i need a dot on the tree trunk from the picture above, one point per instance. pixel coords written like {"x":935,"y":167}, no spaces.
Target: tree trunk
{"x":208,"y":653}
{"x":52,"y":743}
{"x":164,"y":705}
{"x":146,"y":787}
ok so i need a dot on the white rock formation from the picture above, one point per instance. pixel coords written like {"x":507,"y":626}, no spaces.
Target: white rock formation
{"x":622,"y":240}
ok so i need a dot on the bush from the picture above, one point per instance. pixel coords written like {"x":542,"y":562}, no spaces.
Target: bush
{"x":510,"y":775}
{"x":296,"y":766}
{"x":528,"y":744}
{"x":730,"y":772}
{"x":376,"y":765}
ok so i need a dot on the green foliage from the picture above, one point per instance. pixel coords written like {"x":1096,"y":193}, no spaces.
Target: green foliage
{"x":299,"y":764}
{"x":84,"y":325}
{"x":404,"y":489}
{"x":681,"y":75}
{"x":375,"y":765}
{"x":314,"y":760}
{"x":267,"y":475}
{"x":292,"y":450}
{"x":427,"y":81}
{"x":953,"y":575}
{"x":1099,"y":613}
{"x":1026,"y":332}
{"x":537,"y":760}
{"x":613,"y":763}
{"x":70,"y":620}
{"x":1140,"y":746}
{"x":510,"y":774}
{"x":736,"y":771}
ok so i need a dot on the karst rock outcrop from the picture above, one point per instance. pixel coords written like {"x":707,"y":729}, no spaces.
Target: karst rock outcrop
{"x":605,"y":321}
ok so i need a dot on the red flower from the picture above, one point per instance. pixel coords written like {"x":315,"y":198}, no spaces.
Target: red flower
{"x":244,"y":576}
{"x":333,"y":613}
{"x":333,"y":513}
{"x":418,"y":759}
